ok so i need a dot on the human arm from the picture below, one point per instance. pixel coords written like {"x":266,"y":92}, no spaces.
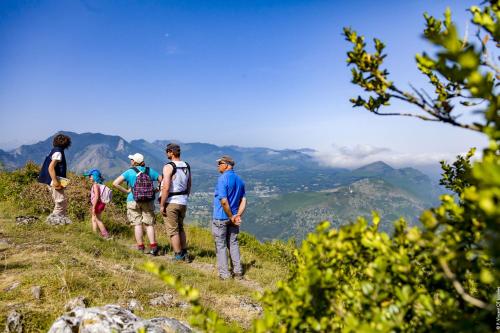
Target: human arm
{"x":227,"y":208}
{"x":52,"y":172}
{"x":97,"y":196}
{"x":165,"y":188}
{"x":117,"y":182}
{"x":241,"y":210}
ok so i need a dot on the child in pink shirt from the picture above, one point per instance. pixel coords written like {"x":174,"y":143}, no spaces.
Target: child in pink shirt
{"x":98,"y":206}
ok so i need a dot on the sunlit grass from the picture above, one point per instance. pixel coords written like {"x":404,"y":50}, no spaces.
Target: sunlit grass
{"x":70,"y":261}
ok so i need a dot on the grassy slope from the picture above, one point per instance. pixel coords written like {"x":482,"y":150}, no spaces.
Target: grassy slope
{"x":68,"y":261}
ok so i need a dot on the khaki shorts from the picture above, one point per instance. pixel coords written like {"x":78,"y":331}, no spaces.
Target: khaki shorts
{"x":141,"y":212}
{"x":174,"y":221}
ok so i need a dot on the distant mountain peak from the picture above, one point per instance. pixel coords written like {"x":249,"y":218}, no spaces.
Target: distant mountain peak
{"x":377,"y":167}
{"x":121,"y":145}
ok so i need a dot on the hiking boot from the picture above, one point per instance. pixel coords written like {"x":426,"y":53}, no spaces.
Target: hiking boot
{"x":186,"y":256}
{"x":140,"y":249}
{"x":178,"y":257}
{"x":238,"y":276}
{"x":224,"y":278}
{"x":154,"y":251}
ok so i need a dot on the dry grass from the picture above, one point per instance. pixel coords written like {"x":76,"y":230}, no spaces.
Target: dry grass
{"x":69,"y":261}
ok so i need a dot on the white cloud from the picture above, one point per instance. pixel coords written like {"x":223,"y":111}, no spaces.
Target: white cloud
{"x":359,"y":155}
{"x":361,"y":151}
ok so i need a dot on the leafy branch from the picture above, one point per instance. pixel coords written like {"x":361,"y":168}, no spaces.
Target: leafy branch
{"x":457,"y":73}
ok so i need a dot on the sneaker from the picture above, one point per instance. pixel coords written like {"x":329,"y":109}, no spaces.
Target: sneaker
{"x":238,"y":276}
{"x":154,"y":251}
{"x":187,"y":258}
{"x":224,"y":278}
{"x":179,"y":257}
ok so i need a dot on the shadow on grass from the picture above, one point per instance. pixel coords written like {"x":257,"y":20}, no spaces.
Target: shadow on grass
{"x":202,"y":253}
{"x":119,"y":229}
{"x":247,"y":266}
{"x":14,"y":265}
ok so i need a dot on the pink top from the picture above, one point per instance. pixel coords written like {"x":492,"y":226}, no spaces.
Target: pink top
{"x":92,"y":194}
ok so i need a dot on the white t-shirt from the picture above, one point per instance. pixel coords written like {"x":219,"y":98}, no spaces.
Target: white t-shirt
{"x":57,"y":156}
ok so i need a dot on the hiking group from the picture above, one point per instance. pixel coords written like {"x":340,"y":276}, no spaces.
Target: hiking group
{"x":174,"y":190}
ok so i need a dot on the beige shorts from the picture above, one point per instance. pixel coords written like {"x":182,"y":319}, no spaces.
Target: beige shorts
{"x":174,"y":221}
{"x":141,"y":212}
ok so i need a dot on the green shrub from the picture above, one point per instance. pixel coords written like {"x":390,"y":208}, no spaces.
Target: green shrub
{"x":21,"y":188}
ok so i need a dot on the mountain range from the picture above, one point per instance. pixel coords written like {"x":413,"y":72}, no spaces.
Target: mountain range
{"x":290,"y":191}
{"x":109,"y":154}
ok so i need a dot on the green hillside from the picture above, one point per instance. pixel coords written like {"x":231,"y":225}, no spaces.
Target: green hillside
{"x":70,"y":261}
{"x":297,"y":214}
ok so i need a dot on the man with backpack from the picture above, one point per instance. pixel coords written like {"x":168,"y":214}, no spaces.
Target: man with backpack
{"x":140,"y":200}
{"x":175,"y":190}
{"x":53,"y":173}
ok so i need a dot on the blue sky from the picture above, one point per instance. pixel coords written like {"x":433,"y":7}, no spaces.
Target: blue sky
{"x":248,"y":73}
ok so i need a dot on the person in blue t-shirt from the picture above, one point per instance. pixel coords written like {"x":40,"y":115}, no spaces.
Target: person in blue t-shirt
{"x":229,"y":205}
{"x":139,"y":213}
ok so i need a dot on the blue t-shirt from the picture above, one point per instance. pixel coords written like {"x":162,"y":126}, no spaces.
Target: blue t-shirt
{"x":229,"y":186}
{"x":130,"y":177}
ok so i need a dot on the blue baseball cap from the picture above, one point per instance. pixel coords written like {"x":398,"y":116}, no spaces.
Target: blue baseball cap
{"x":92,"y":172}
{"x":96,"y":175}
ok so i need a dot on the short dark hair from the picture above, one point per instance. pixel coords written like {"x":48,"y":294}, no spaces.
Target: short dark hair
{"x":174,"y":148}
{"x":61,"y":141}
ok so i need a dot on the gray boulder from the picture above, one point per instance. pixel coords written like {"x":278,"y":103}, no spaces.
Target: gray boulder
{"x":54,"y":219}
{"x":14,"y":322}
{"x":26,"y":219}
{"x":77,"y":302}
{"x":165,"y":300}
{"x":113,"y":318}
{"x":36,"y":292}
{"x":134,"y":305}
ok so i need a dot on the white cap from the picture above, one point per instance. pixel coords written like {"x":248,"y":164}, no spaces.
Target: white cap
{"x":137,"y":158}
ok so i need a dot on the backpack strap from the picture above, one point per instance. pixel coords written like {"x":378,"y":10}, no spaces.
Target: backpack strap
{"x":171,"y":194}
{"x":173,"y":167}
{"x":137,"y":171}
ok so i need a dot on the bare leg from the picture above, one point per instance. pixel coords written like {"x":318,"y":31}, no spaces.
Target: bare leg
{"x":175,"y":241}
{"x":150,"y":230}
{"x":94,"y":223}
{"x":101,"y":226}
{"x":138,"y":234}
{"x":182,"y":234}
